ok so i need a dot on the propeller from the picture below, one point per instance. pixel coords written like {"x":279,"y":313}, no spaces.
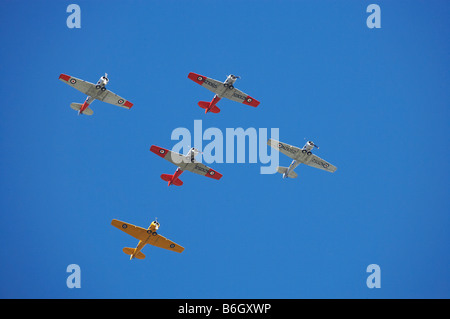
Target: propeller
{"x":190,"y":148}
{"x":312,"y":143}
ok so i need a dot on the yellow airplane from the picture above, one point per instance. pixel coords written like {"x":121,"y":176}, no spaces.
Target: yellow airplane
{"x":145,"y":236}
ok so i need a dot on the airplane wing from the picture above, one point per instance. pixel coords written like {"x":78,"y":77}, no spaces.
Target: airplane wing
{"x":135,"y":231}
{"x":241,"y":97}
{"x":289,"y":150}
{"x":81,"y":85}
{"x":173,"y":157}
{"x":114,"y":99}
{"x":184,"y":163}
{"x":210,"y":84}
{"x":163,"y":242}
{"x":317,"y":162}
{"x":202,"y":169}
{"x":90,"y":89}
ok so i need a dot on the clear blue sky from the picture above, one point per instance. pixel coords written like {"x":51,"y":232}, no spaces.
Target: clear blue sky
{"x":376,"y":101}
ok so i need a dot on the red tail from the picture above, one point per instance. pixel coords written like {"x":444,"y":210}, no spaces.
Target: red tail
{"x":204,"y":104}
{"x":166,"y":177}
{"x":208,"y":108}
{"x":214,"y":109}
{"x":173,"y":179}
{"x":177,"y":182}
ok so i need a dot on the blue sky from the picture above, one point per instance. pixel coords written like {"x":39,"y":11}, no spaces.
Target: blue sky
{"x":376,"y":101}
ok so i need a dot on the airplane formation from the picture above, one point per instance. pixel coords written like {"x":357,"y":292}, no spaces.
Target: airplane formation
{"x":187,"y":162}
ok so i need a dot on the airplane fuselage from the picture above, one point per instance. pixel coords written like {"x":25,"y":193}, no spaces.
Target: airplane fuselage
{"x":101,"y":85}
{"x":189,"y":158}
{"x":227,"y":85}
{"x":291,"y":167}
{"x":306,"y":149}
{"x":150,"y":231}
{"x":230,"y":80}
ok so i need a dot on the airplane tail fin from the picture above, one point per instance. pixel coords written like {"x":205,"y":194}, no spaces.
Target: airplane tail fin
{"x":283,"y":170}
{"x":130,"y":251}
{"x":205,"y":105}
{"x":77,"y":107}
{"x":168,"y":178}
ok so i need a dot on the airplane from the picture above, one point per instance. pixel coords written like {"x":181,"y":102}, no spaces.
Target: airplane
{"x":94,"y":92}
{"x":145,"y":236}
{"x":221,"y":89}
{"x":185,"y":163}
{"x":300,"y":156}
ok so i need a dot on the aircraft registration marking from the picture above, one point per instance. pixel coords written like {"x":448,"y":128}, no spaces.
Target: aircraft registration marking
{"x":323,"y":164}
{"x":287,"y":148}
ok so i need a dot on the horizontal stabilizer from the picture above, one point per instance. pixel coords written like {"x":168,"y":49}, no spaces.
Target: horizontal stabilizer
{"x":203,"y":104}
{"x":140,"y":255}
{"x":283,"y":170}
{"x":292,"y":174}
{"x":77,"y":107}
{"x":177,"y":182}
{"x":215,"y":109}
{"x":206,"y":105}
{"x":130,"y":251}
{"x":166,"y":177}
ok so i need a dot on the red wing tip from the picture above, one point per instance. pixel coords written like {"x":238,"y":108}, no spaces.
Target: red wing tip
{"x":213,"y":174}
{"x":158,"y":150}
{"x":128,"y":104}
{"x":251,"y":101}
{"x":192,"y":74}
{"x":197,"y":78}
{"x":64,"y":77}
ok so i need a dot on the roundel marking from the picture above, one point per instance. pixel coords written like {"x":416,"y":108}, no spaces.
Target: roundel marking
{"x":149,"y":231}
{"x":162,"y":151}
{"x":249,"y":100}
{"x":120,"y":101}
{"x":200,"y":78}
{"x":124,"y":226}
{"x":172,"y":245}
{"x":211,"y":173}
{"x":73,"y":81}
